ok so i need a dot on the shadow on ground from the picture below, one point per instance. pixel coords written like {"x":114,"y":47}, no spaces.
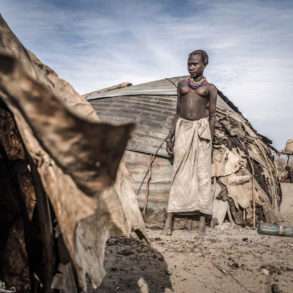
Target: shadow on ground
{"x":133,"y":266}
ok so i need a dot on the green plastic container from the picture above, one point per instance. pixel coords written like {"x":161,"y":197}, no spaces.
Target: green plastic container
{"x":275,"y":230}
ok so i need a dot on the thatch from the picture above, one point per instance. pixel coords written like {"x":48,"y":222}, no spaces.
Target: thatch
{"x":243,"y":160}
{"x":72,"y":158}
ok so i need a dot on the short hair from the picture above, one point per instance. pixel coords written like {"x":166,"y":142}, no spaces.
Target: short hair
{"x":204,"y":55}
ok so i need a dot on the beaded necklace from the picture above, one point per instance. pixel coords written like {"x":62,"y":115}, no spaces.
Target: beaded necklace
{"x":196,"y":84}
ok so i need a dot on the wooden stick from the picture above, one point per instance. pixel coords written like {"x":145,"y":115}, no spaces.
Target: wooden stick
{"x":149,"y":172}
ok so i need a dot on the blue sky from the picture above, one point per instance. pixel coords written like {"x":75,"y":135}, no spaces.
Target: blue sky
{"x":94,"y":44}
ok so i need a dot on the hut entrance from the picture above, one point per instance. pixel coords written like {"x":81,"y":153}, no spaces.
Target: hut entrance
{"x":14,"y":264}
{"x":20,"y":241}
{"x":31,"y":250}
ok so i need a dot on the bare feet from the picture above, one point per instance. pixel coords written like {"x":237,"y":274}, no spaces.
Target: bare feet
{"x":169,"y":224}
{"x":202,"y":225}
{"x":214,"y":222}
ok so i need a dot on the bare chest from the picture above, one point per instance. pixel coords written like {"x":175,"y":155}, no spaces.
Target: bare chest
{"x":196,"y":97}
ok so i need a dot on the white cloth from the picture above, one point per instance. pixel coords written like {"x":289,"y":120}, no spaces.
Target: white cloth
{"x":191,"y":181}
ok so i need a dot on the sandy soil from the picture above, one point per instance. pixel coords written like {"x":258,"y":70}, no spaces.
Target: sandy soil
{"x":227,"y":259}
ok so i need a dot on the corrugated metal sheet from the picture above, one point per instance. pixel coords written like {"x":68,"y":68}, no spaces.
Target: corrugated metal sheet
{"x":165,"y":86}
{"x":150,"y":105}
{"x":160,"y":178}
{"x":152,"y":115}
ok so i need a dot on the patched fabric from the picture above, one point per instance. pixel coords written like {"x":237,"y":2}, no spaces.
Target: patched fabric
{"x":191,"y":181}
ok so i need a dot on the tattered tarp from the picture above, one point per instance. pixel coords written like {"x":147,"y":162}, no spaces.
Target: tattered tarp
{"x":76,"y":157}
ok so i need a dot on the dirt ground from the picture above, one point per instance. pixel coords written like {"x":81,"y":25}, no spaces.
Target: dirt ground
{"x":226,"y":259}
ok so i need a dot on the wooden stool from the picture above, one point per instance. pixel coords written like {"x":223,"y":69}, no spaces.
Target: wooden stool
{"x":169,"y":224}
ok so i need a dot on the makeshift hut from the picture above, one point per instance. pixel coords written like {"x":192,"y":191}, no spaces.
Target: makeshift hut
{"x":63,"y":191}
{"x":244,"y":172}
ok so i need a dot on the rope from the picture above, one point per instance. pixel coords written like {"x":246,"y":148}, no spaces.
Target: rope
{"x":148,"y":172}
{"x":153,"y":157}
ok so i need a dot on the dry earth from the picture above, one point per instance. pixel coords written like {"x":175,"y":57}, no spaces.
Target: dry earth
{"x":227,"y":259}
